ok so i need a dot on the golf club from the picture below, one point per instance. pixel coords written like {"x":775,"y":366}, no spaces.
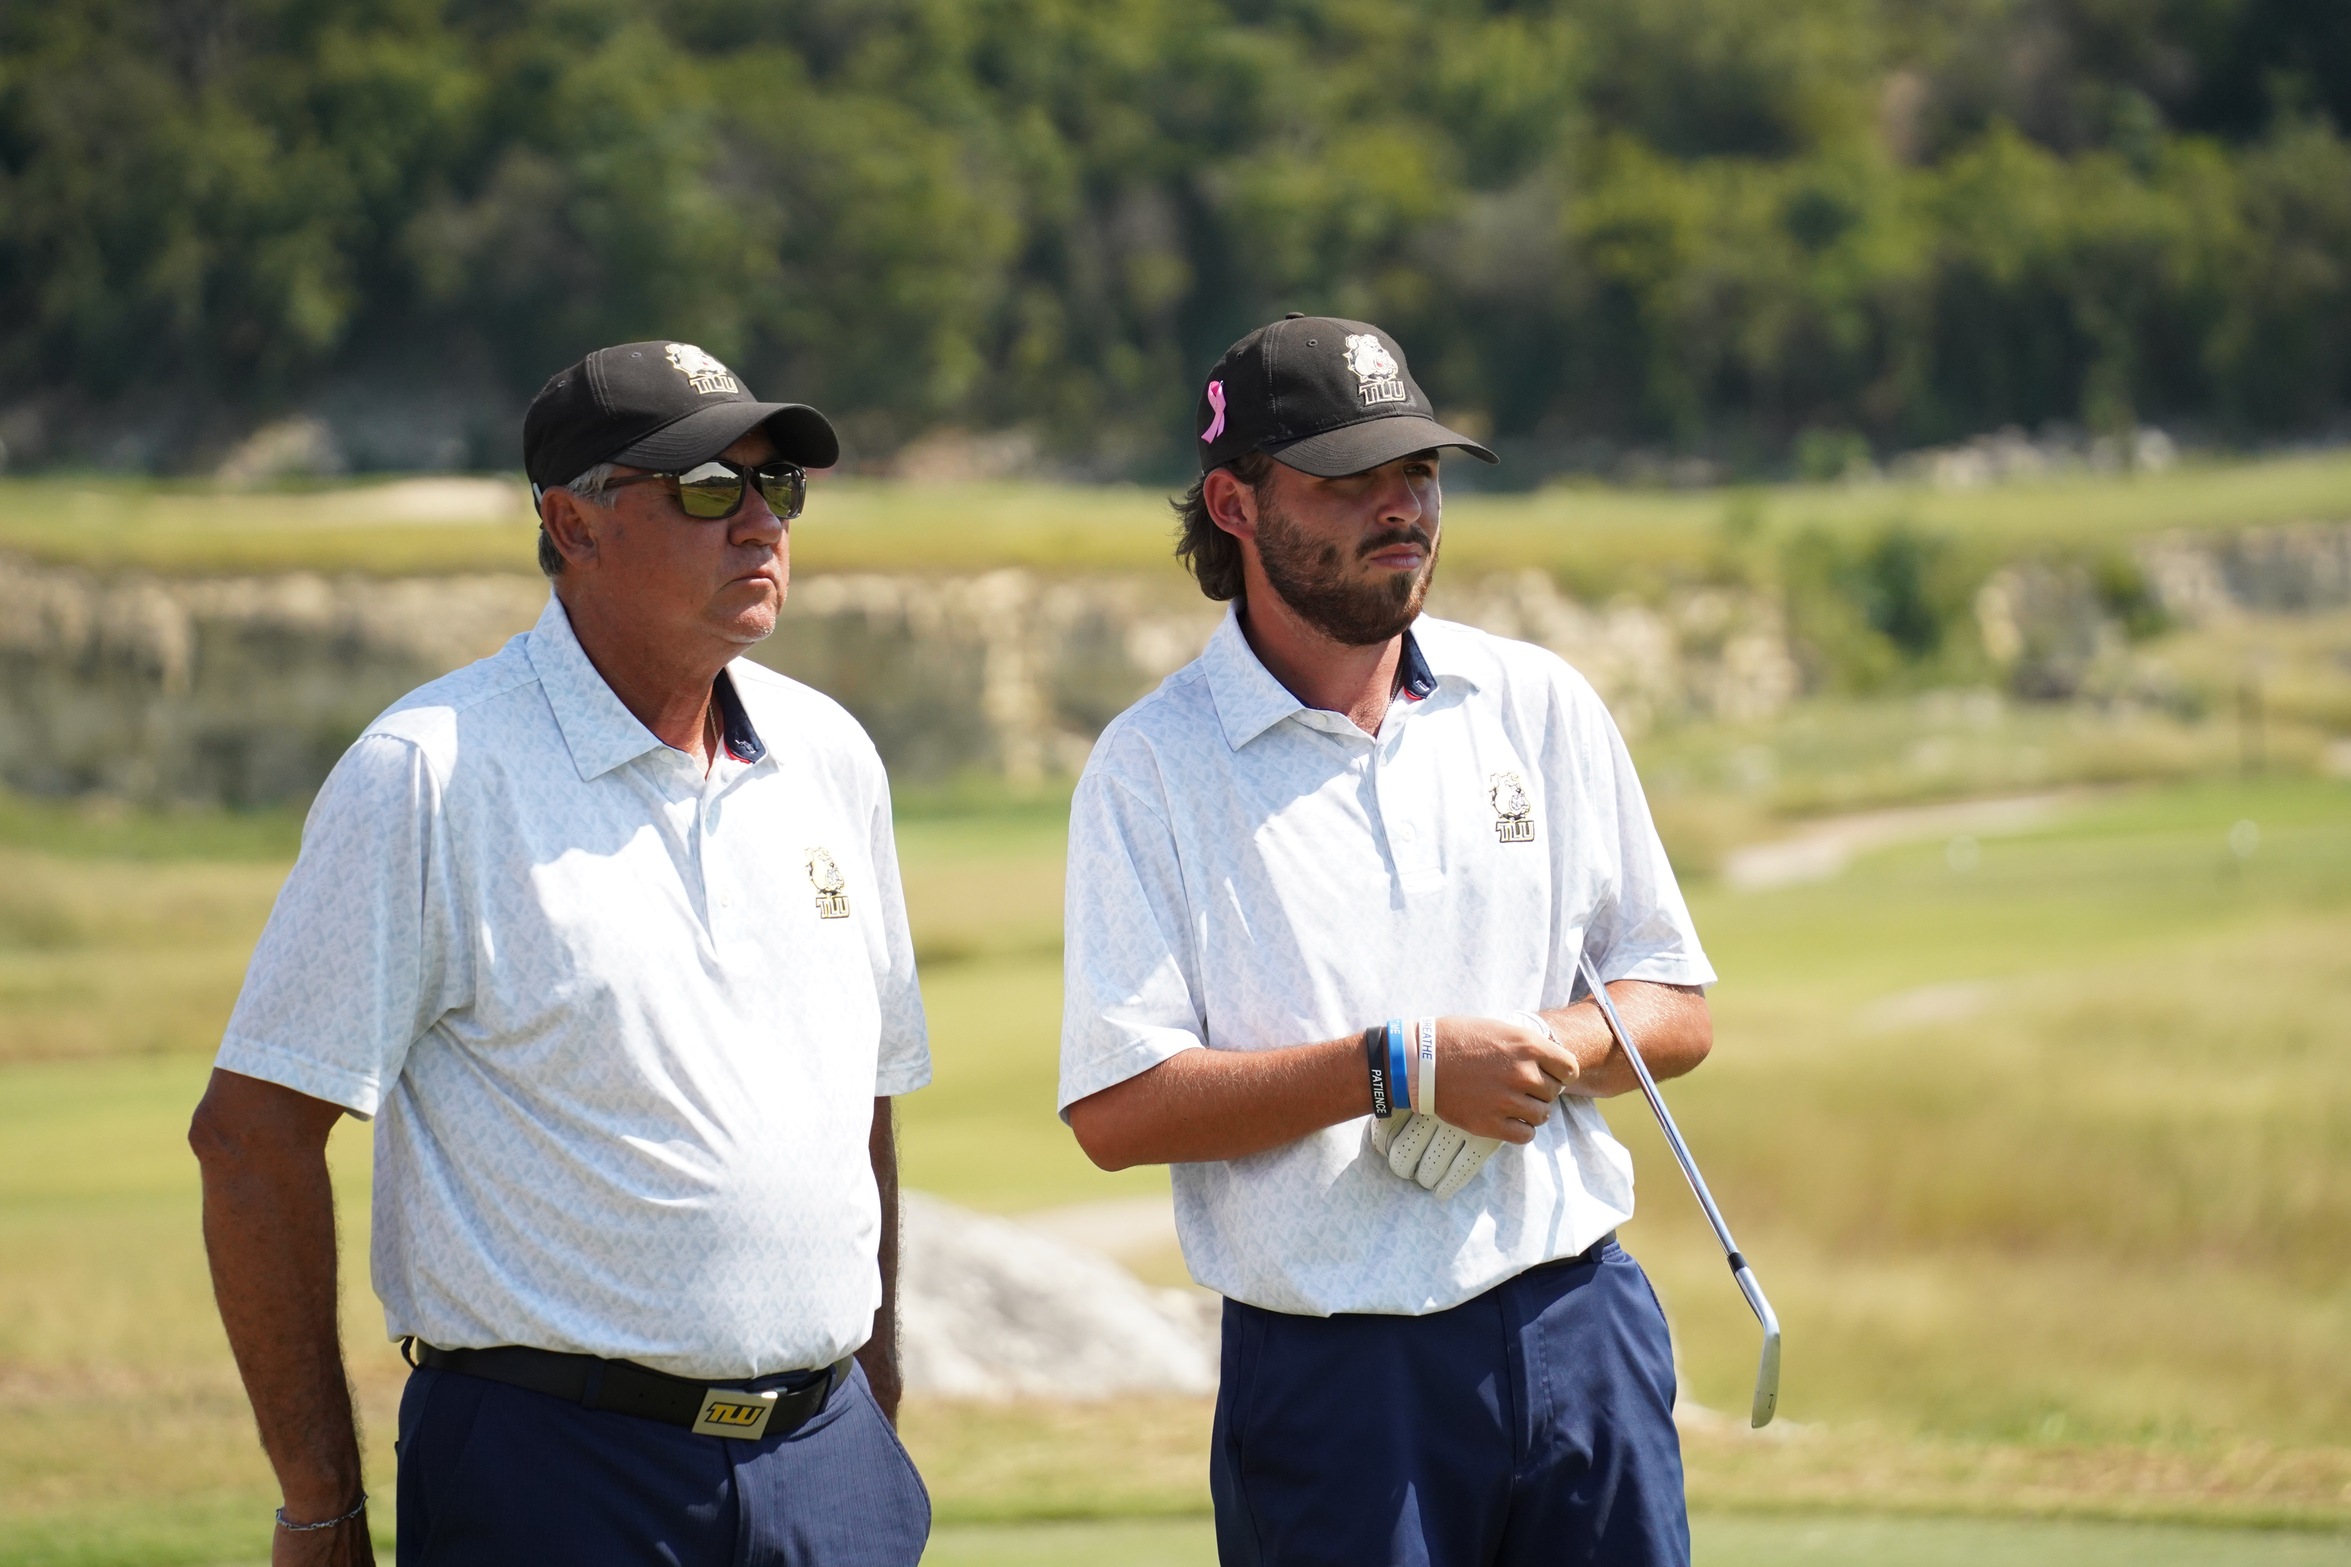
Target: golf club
{"x":1767,"y":1372}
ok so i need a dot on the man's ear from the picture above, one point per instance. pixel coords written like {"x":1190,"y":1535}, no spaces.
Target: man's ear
{"x":1231,"y":504}
{"x":573,"y":526}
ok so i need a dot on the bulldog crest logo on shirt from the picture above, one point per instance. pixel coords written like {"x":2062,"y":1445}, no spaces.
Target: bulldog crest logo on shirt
{"x":1514,"y":813}
{"x":832,"y":889}
{"x":1377,"y":375}
{"x":703,"y":373}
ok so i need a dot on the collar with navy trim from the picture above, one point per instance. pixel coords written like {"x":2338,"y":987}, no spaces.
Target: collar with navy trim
{"x":1249,"y":700}
{"x":734,"y":721}
{"x":1413,"y":677}
{"x":600,"y":731}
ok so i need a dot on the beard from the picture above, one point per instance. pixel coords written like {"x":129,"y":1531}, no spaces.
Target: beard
{"x":1310,"y":576}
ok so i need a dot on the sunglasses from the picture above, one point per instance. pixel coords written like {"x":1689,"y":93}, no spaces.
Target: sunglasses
{"x":714,"y":490}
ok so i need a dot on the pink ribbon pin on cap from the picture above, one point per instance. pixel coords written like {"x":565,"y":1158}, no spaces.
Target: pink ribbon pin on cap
{"x":1215,"y":401}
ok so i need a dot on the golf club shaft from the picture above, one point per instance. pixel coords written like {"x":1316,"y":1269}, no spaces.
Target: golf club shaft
{"x":1767,"y":1373}
{"x":1673,"y":1133}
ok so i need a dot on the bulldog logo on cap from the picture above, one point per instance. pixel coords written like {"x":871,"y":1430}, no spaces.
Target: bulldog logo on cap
{"x":1376,"y":373}
{"x":703,"y":373}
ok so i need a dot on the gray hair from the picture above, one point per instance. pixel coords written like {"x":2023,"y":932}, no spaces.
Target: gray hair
{"x":594,"y":487}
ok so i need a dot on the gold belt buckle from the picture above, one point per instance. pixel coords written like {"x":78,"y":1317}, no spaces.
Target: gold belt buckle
{"x":728,"y":1411}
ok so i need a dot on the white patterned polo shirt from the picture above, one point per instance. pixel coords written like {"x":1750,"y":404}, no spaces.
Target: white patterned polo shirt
{"x":1247,"y":873}
{"x":623,"y":1022}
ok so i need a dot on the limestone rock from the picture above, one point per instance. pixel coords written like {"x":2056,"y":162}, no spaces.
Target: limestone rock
{"x":990,"y":1308}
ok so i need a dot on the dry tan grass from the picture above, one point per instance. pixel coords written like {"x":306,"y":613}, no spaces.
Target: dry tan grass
{"x":2042,"y":1163}
{"x":1597,"y":536}
{"x":102,"y":957}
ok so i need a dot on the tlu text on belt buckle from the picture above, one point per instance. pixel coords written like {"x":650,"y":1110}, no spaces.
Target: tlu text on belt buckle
{"x":728,"y":1411}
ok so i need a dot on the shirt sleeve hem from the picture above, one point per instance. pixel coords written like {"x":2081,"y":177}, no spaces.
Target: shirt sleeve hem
{"x":1662,"y":969}
{"x":1133,"y":1061}
{"x":356,"y":1092}
{"x":893,"y":1081}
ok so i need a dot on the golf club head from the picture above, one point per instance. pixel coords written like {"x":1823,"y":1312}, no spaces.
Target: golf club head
{"x":1767,"y":1371}
{"x":1767,"y":1381}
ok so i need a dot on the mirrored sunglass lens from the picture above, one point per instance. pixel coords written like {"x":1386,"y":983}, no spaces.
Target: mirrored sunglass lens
{"x":786,"y":490}
{"x":709,"y":491}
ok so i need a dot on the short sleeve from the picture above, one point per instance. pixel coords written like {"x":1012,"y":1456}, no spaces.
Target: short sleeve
{"x":904,"y":1062}
{"x":359,"y":957}
{"x":1129,"y":997}
{"x":1645,"y":931}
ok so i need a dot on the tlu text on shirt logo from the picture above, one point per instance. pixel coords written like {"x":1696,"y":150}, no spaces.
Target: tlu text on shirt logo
{"x":832,"y":889}
{"x":1514,"y":813}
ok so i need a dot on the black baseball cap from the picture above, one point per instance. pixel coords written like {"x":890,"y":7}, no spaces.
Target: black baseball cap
{"x":664,"y":406}
{"x":1326,"y":396}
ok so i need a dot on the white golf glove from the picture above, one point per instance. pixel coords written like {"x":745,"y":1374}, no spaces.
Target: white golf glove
{"x":1422,"y":1147}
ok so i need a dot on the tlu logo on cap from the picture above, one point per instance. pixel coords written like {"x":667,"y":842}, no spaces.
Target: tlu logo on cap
{"x":1376,"y":379}
{"x":702,"y":372}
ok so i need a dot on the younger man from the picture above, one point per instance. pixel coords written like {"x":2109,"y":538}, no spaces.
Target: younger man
{"x":1327,"y":888}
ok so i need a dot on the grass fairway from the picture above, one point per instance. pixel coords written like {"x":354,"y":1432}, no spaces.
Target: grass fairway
{"x":1595,"y":537}
{"x":2040,"y":1152}
{"x":1717,"y":1541}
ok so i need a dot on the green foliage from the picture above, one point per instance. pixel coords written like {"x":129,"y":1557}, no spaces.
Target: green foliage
{"x":1872,"y":609}
{"x":1696,"y":222}
{"x":2126,"y":596}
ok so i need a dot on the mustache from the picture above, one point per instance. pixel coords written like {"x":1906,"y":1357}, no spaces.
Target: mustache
{"x":1380,"y":541}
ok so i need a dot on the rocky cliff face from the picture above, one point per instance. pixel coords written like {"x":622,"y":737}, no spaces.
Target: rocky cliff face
{"x":244,"y":690}
{"x":2056,"y":628}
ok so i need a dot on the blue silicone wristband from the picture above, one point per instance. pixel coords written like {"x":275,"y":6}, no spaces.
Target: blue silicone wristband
{"x":1399,"y":1069}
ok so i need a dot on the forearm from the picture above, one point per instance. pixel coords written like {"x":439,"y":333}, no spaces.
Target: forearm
{"x":1223,"y":1104}
{"x":1499,"y":1080}
{"x":1670,"y":1024}
{"x":269,"y":1232}
{"x":879,"y":1356}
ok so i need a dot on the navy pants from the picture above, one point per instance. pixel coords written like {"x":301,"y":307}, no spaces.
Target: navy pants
{"x":492,"y":1476}
{"x":1532,"y":1425}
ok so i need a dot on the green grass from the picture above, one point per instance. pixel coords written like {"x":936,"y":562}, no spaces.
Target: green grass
{"x":104,"y":829}
{"x":1593,"y":536}
{"x":2042,"y":1162}
{"x":2090,"y":1185}
{"x":219,"y":1534}
{"x":1717,"y":1541}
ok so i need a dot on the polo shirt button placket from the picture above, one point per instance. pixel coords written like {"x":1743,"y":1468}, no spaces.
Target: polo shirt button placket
{"x":714,"y":891}
{"x":1405,"y":808}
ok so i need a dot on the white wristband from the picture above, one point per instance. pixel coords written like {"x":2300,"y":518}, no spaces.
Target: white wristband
{"x":1424,"y":1078}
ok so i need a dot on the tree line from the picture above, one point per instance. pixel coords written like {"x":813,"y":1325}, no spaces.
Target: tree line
{"x":1748,"y":230}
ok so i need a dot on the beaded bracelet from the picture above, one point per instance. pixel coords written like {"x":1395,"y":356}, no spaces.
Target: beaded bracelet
{"x":292,"y":1527}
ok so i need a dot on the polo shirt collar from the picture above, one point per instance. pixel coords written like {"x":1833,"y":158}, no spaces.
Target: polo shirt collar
{"x":735,"y":729}
{"x":1249,"y":700}
{"x":602,"y":733}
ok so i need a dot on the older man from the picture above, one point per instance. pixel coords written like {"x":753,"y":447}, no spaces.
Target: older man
{"x":607,"y":930}
{"x":1328,"y":887}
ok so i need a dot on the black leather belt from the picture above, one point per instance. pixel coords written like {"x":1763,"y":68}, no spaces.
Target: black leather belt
{"x":1589,"y":1254}
{"x":743,"y":1410}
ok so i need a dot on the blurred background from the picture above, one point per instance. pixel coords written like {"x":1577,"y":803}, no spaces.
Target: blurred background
{"x":1924,"y":420}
